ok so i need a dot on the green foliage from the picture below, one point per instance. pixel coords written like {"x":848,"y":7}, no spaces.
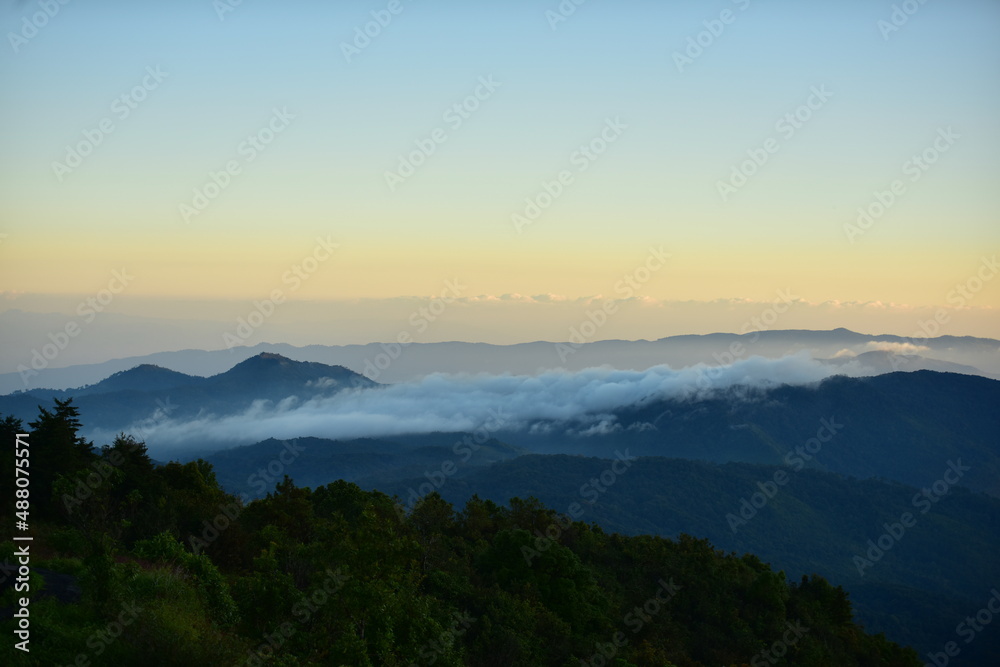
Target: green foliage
{"x":165,"y":549}
{"x":341,"y":576}
{"x":815,"y":523}
{"x":56,"y":449}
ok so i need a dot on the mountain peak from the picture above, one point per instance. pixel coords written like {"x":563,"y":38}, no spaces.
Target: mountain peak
{"x":266,"y":362}
{"x":277,"y":369}
{"x":267,"y":358}
{"x":271,"y":355}
{"x":144,"y":377}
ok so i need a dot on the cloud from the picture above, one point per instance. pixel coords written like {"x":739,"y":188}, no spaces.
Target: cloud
{"x":582,"y":402}
{"x":896,"y":348}
{"x":322,"y":383}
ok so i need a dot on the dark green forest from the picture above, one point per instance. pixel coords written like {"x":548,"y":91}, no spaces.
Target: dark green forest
{"x":139,"y":563}
{"x":916,"y":593}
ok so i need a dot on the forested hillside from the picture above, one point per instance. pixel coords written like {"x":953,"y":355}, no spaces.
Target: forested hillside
{"x":933,"y":574}
{"x":172,"y":570}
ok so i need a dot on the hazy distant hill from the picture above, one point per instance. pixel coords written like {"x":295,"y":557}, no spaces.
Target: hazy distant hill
{"x":146,"y":377}
{"x":901,"y":426}
{"x":981,"y":355}
{"x":135,"y":395}
{"x":884,"y":361}
{"x":897,"y":432}
{"x":254,"y":469}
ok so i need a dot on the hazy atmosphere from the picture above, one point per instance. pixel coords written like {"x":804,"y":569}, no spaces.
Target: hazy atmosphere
{"x":520,"y":163}
{"x":529,"y":333}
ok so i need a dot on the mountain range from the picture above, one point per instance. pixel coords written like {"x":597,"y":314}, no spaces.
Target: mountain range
{"x":147,"y":391}
{"x":937,"y":572}
{"x":813,"y":477}
{"x":392,"y":363}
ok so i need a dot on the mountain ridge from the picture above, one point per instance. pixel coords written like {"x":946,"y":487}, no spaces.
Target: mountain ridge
{"x":423,"y":358}
{"x":122,"y":399}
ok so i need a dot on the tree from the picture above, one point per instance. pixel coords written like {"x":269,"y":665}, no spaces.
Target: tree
{"x":9,"y":428}
{"x":56,"y":449}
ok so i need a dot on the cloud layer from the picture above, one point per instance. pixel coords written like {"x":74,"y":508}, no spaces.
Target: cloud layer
{"x":582,"y":401}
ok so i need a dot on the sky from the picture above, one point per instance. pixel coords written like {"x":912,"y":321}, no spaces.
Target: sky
{"x":690,"y":161}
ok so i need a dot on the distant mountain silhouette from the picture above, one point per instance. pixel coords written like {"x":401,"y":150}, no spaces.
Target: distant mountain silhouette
{"x":273,"y":376}
{"x":886,"y":361}
{"x":139,"y":393}
{"x":895,"y":433}
{"x":526,"y":358}
{"x":900,"y":426}
{"x":145,"y":377}
{"x":254,"y":469}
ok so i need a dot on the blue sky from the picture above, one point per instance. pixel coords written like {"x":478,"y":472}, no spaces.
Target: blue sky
{"x":658,"y":183}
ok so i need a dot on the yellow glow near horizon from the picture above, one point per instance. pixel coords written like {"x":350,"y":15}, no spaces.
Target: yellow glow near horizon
{"x":221,"y":266}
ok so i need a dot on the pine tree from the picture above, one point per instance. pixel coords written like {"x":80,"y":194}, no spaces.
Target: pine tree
{"x":56,"y":449}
